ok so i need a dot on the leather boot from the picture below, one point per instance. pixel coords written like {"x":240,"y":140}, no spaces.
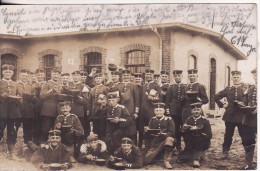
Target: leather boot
{"x":249,"y":156}
{"x":167,"y":159}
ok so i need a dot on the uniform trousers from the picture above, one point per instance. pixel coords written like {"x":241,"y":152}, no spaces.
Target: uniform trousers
{"x":28,"y":128}
{"x":12,"y":126}
{"x":249,"y":135}
{"x":229,"y":132}
{"x":47,"y":124}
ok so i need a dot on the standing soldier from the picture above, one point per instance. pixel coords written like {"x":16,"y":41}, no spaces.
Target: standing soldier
{"x":49,"y":92}
{"x":84,"y":76}
{"x":175,"y":105}
{"x":25,"y":91}
{"x":9,"y":107}
{"x":156,"y":78}
{"x":115,"y":80}
{"x":164,"y":84}
{"x":250,"y":123}
{"x":232,"y":116}
{"x":65,"y":80}
{"x":151,"y":93}
{"x":193,"y":87}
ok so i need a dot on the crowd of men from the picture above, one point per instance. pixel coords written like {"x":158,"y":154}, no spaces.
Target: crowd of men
{"x":126,"y":121}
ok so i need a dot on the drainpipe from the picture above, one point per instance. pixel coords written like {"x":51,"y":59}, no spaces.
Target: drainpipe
{"x":154,"y":29}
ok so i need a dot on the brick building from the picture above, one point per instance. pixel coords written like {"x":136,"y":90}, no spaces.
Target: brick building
{"x":165,"y":46}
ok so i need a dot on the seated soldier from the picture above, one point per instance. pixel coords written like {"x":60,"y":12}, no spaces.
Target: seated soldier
{"x":119,"y":122}
{"x":54,"y":152}
{"x":99,"y":118}
{"x":93,"y":149}
{"x":70,"y":127}
{"x":129,"y":154}
{"x":197,"y":131}
{"x":163,"y":140}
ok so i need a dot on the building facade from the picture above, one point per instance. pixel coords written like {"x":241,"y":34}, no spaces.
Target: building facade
{"x":160,"y":47}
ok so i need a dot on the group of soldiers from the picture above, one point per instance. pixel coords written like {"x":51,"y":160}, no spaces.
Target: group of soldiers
{"x":129,"y":119}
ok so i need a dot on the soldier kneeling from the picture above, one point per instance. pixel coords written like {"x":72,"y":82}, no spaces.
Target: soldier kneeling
{"x":162,"y":139}
{"x":197,"y":131}
{"x":53,"y":155}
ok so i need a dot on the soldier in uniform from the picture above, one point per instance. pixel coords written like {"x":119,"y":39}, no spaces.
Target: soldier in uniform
{"x":65,"y":80}
{"x":90,"y":78}
{"x":198,"y":133}
{"x":162,"y":141}
{"x":70,"y":126}
{"x":84,"y":76}
{"x":24,"y":89}
{"x":175,"y":105}
{"x":49,"y":92}
{"x":151,"y":92}
{"x":232,"y":116}
{"x":52,"y":152}
{"x":164,"y":84}
{"x":193,"y":86}
{"x":130,"y":154}
{"x":10,"y":114}
{"x":93,"y":149}
{"x":249,"y":123}
{"x":119,"y":122}
{"x":115,"y":80}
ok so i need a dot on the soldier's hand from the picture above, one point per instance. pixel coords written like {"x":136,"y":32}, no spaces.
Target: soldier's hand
{"x":58,"y":125}
{"x":5,"y":95}
{"x":163,"y":92}
{"x":90,"y":157}
{"x":146,"y":128}
{"x":111,"y":158}
{"x":135,"y":115}
{"x":64,"y":166}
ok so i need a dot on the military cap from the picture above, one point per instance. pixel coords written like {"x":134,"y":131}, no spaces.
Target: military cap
{"x":192,"y":71}
{"x":235,"y":72}
{"x":64,"y":103}
{"x":112,"y":67}
{"x":26,"y":71}
{"x":92,"y":137}
{"x":7,"y":67}
{"x":196,"y":105}
{"x":138,"y":75}
{"x":97,"y":75}
{"x":114,"y":72}
{"x":113,"y":95}
{"x":56,"y":70}
{"x":164,"y":72}
{"x":126,"y":140}
{"x":159,"y":105}
{"x":176,"y":72}
{"x":83,"y":73}
{"x":156,"y":75}
{"x":76,"y":72}
{"x":254,"y":71}
{"x":126,"y":71}
{"x":54,"y":133}
{"x":32,"y":73}
{"x":65,"y":74}
{"x":39,"y":71}
{"x":149,"y":71}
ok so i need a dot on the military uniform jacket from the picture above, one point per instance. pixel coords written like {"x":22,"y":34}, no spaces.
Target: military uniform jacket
{"x":68,"y":136}
{"x":48,"y":155}
{"x":250,"y":99}
{"x":146,"y":104}
{"x":164,"y":88}
{"x":27,"y":105}
{"x":232,"y":93}
{"x":8,"y":110}
{"x":38,"y":106}
{"x":93,"y":97}
{"x":201,"y":93}
{"x":120,"y":111}
{"x":77,"y":105}
{"x":130,"y":97}
{"x":173,"y":98}
{"x":134,"y":157}
{"x":50,"y":102}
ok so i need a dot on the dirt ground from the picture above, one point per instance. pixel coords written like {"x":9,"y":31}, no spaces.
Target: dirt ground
{"x":236,"y":159}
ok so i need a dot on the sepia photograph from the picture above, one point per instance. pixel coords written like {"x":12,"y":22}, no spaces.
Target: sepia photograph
{"x":148,"y":86}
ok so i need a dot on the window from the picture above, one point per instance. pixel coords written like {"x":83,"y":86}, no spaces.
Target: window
{"x":135,"y":61}
{"x":49,"y":63}
{"x":93,"y":60}
{"x":10,"y":59}
{"x":192,"y":62}
{"x":228,"y":76}
{"x":212,"y":83}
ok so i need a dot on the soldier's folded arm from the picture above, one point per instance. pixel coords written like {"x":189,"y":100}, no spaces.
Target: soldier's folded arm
{"x":203,"y":95}
{"x":46,"y":92}
{"x":220,"y":95}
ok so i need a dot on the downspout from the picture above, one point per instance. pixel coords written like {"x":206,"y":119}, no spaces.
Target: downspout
{"x":154,"y":29}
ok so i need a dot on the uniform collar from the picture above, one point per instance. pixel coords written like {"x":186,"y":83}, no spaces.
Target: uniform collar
{"x":6,"y":79}
{"x":22,"y":82}
{"x":160,"y":118}
{"x":41,"y":82}
{"x":196,"y":118}
{"x":99,"y":85}
{"x":128,"y":152}
{"x":194,"y":83}
{"x":54,"y":81}
{"x":116,"y":106}
{"x":237,"y":85}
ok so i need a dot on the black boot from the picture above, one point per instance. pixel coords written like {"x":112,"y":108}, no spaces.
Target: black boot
{"x":249,"y":156}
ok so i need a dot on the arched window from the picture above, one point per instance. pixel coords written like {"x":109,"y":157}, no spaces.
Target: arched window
{"x":10,"y":59}
{"x":48,"y":65}
{"x":228,"y":71}
{"x":93,"y":60}
{"x":192,"y":62}
{"x":213,"y":78}
{"x":135,"y":61}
